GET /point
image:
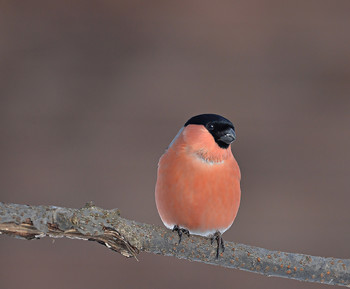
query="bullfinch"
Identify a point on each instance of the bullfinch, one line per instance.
(198, 182)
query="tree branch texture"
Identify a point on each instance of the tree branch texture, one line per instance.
(129, 238)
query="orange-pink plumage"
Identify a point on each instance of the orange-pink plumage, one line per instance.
(198, 183)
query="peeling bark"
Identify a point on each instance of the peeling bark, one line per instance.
(129, 238)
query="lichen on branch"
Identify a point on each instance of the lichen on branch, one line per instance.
(129, 238)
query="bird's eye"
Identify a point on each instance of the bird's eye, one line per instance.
(211, 126)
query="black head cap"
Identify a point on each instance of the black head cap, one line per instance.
(220, 128)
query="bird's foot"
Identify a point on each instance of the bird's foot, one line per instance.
(220, 243)
(181, 231)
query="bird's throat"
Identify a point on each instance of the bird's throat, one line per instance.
(209, 158)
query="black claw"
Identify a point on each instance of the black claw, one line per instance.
(181, 231)
(220, 243)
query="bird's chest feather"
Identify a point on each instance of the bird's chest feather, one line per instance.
(194, 173)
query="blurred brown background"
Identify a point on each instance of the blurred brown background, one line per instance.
(91, 93)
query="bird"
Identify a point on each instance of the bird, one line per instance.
(198, 180)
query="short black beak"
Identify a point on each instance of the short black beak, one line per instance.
(228, 137)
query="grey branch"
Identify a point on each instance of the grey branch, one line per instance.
(129, 238)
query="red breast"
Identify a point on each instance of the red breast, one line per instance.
(198, 183)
